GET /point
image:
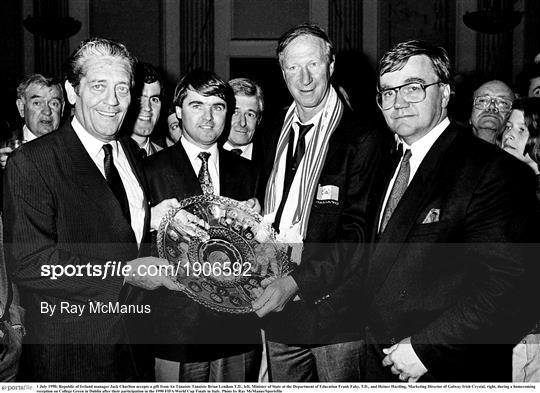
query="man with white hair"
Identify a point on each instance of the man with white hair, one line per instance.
(40, 102)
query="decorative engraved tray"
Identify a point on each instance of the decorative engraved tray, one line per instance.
(222, 267)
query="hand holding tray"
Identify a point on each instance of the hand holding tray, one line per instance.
(221, 267)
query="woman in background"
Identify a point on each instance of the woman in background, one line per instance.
(521, 138)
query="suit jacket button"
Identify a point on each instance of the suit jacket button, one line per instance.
(403, 293)
(393, 341)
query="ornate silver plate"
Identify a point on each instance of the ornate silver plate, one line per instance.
(222, 267)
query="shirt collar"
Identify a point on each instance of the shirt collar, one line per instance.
(91, 144)
(314, 120)
(28, 135)
(420, 148)
(228, 146)
(146, 146)
(193, 150)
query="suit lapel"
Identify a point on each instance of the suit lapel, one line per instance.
(424, 183)
(87, 176)
(188, 184)
(237, 176)
(224, 168)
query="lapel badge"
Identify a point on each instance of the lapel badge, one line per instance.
(328, 193)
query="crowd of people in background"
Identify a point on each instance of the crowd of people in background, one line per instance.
(417, 230)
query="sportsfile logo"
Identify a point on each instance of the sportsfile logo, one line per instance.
(118, 269)
(109, 269)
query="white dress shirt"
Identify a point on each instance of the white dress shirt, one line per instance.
(27, 134)
(418, 149)
(94, 148)
(193, 151)
(149, 146)
(292, 199)
(247, 150)
(309, 136)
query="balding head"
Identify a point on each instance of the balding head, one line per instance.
(491, 104)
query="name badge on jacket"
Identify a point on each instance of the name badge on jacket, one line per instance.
(327, 194)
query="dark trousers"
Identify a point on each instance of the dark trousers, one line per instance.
(243, 367)
(327, 363)
(77, 363)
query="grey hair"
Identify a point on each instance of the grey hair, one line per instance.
(96, 47)
(249, 88)
(40, 80)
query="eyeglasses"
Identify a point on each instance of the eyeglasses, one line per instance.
(411, 92)
(484, 102)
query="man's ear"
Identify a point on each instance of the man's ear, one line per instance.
(446, 95)
(331, 67)
(178, 111)
(20, 106)
(71, 94)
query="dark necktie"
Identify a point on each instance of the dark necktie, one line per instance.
(237, 151)
(204, 174)
(143, 153)
(398, 189)
(115, 182)
(300, 145)
(293, 162)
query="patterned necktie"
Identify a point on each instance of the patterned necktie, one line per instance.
(115, 182)
(237, 151)
(204, 175)
(398, 189)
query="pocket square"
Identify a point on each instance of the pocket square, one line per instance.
(432, 216)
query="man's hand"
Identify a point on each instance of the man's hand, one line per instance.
(275, 296)
(160, 210)
(4, 155)
(190, 225)
(404, 361)
(140, 277)
(11, 352)
(253, 204)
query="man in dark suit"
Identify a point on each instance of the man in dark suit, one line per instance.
(73, 201)
(246, 118)
(40, 102)
(142, 119)
(445, 287)
(210, 343)
(316, 197)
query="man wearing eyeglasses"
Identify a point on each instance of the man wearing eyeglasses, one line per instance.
(441, 276)
(491, 104)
